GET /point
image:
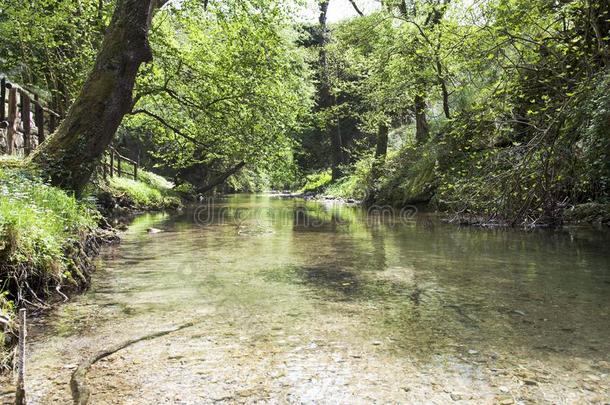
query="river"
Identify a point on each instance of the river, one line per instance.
(308, 302)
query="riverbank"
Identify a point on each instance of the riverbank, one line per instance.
(48, 239)
(394, 190)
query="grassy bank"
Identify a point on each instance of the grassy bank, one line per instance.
(422, 175)
(118, 196)
(48, 238)
(45, 243)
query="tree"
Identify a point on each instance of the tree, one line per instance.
(325, 96)
(228, 85)
(69, 157)
(49, 46)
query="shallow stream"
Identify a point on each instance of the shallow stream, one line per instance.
(306, 302)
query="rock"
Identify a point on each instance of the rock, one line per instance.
(473, 351)
(530, 382)
(503, 389)
(506, 401)
(154, 230)
(518, 312)
(376, 343)
(456, 396)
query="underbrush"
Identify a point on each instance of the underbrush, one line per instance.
(356, 184)
(316, 182)
(407, 177)
(44, 239)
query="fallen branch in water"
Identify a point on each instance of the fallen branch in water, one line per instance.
(80, 391)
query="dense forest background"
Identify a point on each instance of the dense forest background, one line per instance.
(497, 110)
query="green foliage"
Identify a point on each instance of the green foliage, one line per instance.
(51, 45)
(228, 84)
(39, 227)
(356, 184)
(150, 191)
(316, 181)
(525, 86)
(409, 176)
(589, 213)
(594, 179)
(37, 222)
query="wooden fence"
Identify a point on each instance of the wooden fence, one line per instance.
(23, 118)
(112, 164)
(22, 135)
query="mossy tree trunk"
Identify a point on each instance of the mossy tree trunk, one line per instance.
(381, 147)
(70, 156)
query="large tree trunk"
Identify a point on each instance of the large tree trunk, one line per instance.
(70, 156)
(382, 141)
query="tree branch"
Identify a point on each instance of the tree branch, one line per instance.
(169, 126)
(221, 178)
(356, 8)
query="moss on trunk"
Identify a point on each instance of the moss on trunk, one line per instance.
(70, 155)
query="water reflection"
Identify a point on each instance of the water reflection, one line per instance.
(492, 287)
(273, 273)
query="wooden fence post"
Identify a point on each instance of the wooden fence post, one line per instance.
(2, 99)
(20, 393)
(26, 122)
(119, 169)
(135, 171)
(39, 118)
(12, 119)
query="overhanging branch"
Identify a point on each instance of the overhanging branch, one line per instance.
(169, 126)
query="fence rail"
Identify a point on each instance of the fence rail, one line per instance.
(22, 119)
(112, 164)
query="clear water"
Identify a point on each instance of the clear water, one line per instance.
(303, 302)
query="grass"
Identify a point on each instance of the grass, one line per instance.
(354, 184)
(44, 235)
(40, 226)
(350, 186)
(150, 191)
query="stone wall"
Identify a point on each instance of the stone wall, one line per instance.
(18, 138)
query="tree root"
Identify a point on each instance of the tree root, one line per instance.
(80, 391)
